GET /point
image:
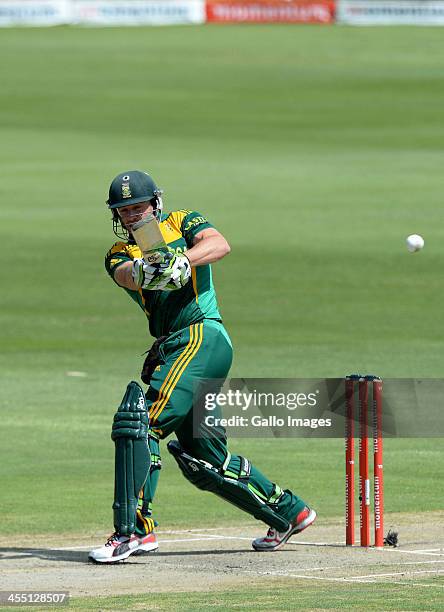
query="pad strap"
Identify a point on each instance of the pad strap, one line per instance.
(243, 475)
(276, 495)
(153, 443)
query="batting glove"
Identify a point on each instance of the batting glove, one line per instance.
(143, 272)
(175, 275)
(169, 272)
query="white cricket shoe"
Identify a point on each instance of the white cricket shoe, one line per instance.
(118, 548)
(275, 539)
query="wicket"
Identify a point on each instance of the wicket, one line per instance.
(364, 480)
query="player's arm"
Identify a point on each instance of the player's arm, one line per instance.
(119, 265)
(205, 246)
(208, 246)
(131, 274)
(124, 276)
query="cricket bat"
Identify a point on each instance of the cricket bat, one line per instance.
(148, 237)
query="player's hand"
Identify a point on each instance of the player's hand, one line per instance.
(143, 272)
(169, 272)
(175, 272)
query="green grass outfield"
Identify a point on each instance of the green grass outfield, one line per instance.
(314, 150)
(280, 596)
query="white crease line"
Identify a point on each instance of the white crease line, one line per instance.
(316, 543)
(435, 571)
(414, 552)
(418, 584)
(286, 575)
(353, 579)
(347, 567)
(320, 578)
(437, 552)
(430, 550)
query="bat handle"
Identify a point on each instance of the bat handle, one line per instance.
(156, 256)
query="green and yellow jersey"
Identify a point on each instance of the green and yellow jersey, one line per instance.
(169, 311)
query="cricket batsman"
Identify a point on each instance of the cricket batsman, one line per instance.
(175, 291)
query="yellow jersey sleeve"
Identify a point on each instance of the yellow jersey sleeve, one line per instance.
(188, 223)
(118, 254)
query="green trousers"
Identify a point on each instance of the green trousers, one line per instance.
(202, 350)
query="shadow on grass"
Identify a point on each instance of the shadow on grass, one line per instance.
(75, 556)
(81, 556)
(190, 553)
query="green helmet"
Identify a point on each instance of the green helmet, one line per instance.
(132, 187)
